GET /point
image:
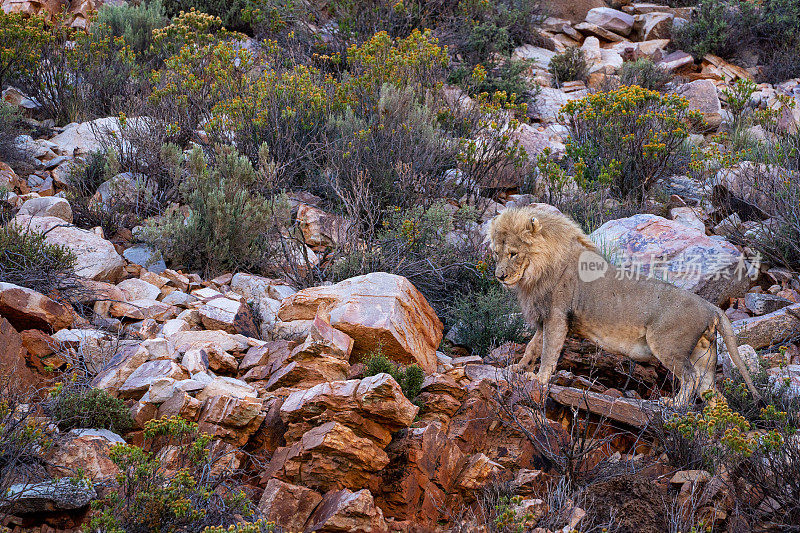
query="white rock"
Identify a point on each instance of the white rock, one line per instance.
(96, 258)
(47, 206)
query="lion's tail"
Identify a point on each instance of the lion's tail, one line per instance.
(726, 329)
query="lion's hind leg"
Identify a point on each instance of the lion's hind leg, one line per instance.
(693, 365)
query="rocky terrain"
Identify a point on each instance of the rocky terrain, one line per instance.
(356, 403)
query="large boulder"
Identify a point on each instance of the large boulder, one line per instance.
(323, 357)
(12, 359)
(320, 229)
(226, 314)
(681, 255)
(81, 138)
(95, 257)
(373, 407)
(288, 505)
(65, 494)
(574, 11)
(703, 97)
(423, 470)
(124, 363)
(85, 450)
(343, 511)
(377, 310)
(769, 329)
(232, 419)
(611, 20)
(28, 309)
(657, 26)
(141, 378)
(329, 457)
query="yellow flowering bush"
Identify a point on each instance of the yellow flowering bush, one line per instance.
(75, 75)
(21, 36)
(153, 493)
(632, 135)
(416, 61)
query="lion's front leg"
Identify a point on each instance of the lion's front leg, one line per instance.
(554, 334)
(532, 353)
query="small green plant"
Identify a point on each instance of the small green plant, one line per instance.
(259, 526)
(230, 13)
(11, 126)
(485, 320)
(21, 37)
(769, 29)
(644, 73)
(73, 406)
(508, 518)
(718, 27)
(26, 437)
(738, 98)
(409, 377)
(569, 65)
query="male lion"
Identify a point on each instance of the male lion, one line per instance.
(538, 253)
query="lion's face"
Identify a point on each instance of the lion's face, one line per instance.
(512, 252)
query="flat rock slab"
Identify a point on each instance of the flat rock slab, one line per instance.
(626, 410)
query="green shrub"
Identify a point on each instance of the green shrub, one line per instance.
(28, 260)
(401, 149)
(229, 228)
(628, 138)
(510, 77)
(718, 27)
(74, 407)
(769, 29)
(409, 377)
(11, 126)
(177, 491)
(82, 75)
(133, 23)
(26, 436)
(569, 66)
(276, 17)
(644, 73)
(486, 319)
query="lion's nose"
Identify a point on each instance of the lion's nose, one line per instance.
(500, 275)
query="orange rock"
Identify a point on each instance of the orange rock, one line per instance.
(288, 505)
(12, 359)
(28, 309)
(86, 450)
(376, 310)
(343, 511)
(329, 457)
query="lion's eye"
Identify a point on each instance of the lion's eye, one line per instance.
(512, 255)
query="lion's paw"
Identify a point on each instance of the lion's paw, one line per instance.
(517, 367)
(530, 375)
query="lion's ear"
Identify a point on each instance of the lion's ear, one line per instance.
(534, 225)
